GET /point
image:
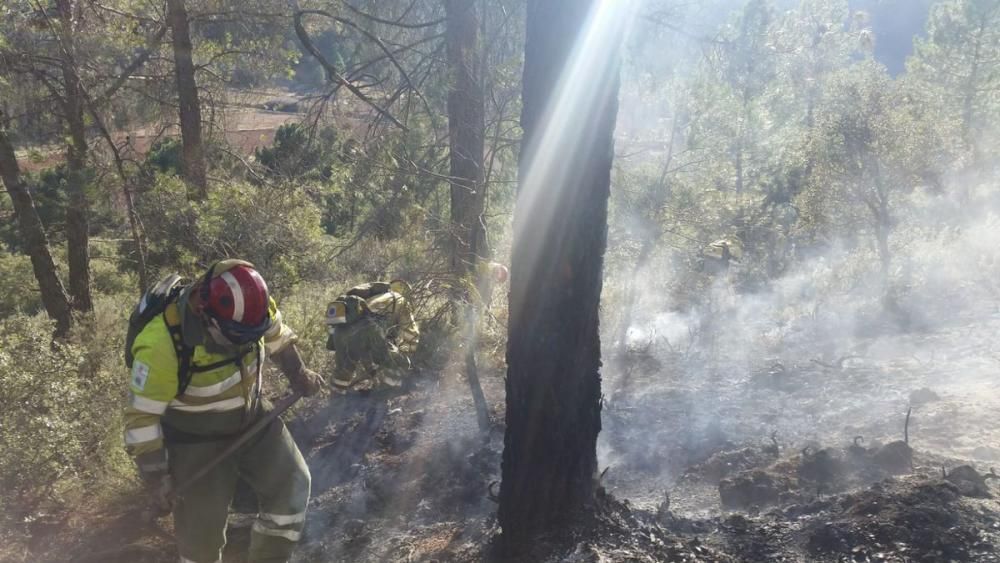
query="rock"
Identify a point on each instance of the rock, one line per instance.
(923, 396)
(969, 482)
(895, 458)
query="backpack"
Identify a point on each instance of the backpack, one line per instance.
(369, 290)
(162, 300)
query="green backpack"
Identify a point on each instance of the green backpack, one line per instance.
(162, 300)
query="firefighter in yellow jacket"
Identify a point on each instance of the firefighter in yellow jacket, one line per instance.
(373, 333)
(195, 385)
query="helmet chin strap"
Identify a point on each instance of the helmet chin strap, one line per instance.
(217, 337)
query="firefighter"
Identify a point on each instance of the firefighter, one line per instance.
(373, 334)
(195, 385)
(719, 255)
(494, 272)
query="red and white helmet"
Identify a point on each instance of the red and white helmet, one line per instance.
(235, 299)
(499, 271)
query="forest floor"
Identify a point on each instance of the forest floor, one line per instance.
(795, 458)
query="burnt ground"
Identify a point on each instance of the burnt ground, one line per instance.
(800, 457)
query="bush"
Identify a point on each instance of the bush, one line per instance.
(278, 229)
(18, 288)
(165, 156)
(107, 277)
(297, 155)
(61, 422)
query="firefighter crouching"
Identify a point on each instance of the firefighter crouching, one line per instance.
(196, 353)
(373, 334)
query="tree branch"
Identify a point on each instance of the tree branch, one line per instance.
(152, 44)
(331, 71)
(375, 39)
(390, 22)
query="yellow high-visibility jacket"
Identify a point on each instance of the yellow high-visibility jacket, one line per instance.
(219, 400)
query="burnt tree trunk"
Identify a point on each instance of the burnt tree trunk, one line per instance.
(36, 244)
(466, 132)
(78, 210)
(192, 150)
(553, 386)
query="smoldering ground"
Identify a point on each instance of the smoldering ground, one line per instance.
(820, 356)
(400, 475)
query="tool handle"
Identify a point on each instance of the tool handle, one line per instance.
(280, 407)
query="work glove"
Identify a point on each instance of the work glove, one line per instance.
(302, 379)
(308, 382)
(160, 491)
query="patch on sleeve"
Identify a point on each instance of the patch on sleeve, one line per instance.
(140, 372)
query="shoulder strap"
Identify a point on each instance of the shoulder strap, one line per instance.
(172, 317)
(185, 353)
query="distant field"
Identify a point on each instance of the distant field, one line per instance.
(244, 125)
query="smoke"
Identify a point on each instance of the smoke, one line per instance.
(819, 355)
(828, 349)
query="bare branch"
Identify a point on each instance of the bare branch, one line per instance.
(151, 45)
(396, 23)
(375, 39)
(331, 71)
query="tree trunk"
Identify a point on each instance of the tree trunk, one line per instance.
(133, 217)
(466, 132)
(54, 297)
(553, 386)
(192, 151)
(466, 124)
(78, 210)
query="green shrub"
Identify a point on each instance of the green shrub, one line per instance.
(61, 423)
(165, 156)
(276, 229)
(170, 223)
(297, 154)
(18, 288)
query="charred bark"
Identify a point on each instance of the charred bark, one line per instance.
(36, 244)
(553, 386)
(192, 150)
